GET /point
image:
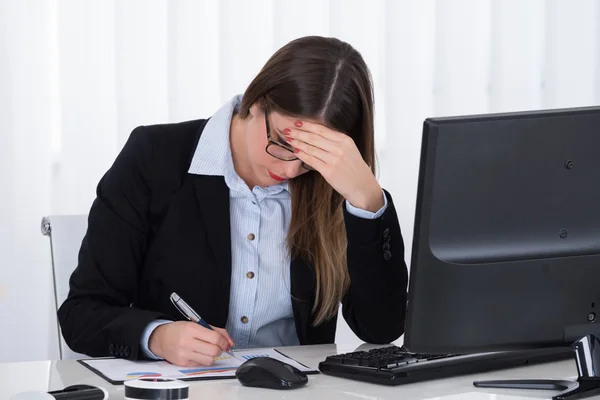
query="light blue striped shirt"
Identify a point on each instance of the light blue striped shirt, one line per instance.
(260, 307)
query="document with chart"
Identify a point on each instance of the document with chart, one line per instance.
(116, 370)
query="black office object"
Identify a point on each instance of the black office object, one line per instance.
(153, 388)
(80, 392)
(506, 247)
(506, 250)
(393, 365)
(73, 392)
(270, 373)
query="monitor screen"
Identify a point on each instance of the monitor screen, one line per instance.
(506, 248)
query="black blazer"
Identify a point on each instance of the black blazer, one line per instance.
(154, 229)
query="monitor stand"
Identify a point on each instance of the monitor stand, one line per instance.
(587, 355)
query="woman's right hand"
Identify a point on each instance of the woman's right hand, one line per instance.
(188, 344)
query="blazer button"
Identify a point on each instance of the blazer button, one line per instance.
(251, 236)
(250, 275)
(387, 255)
(386, 247)
(127, 351)
(386, 232)
(244, 319)
(111, 349)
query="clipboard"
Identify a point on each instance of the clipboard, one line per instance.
(116, 370)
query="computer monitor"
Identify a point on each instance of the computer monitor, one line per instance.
(506, 247)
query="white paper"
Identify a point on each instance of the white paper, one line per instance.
(116, 369)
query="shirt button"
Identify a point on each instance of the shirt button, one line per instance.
(250, 275)
(251, 236)
(244, 319)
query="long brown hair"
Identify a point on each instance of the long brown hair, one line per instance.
(326, 79)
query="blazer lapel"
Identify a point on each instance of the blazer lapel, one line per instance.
(213, 199)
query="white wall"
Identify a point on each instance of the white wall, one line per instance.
(76, 76)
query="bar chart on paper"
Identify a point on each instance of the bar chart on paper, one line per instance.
(119, 370)
(224, 363)
(251, 356)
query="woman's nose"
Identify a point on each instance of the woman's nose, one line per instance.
(294, 168)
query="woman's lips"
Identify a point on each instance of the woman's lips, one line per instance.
(276, 177)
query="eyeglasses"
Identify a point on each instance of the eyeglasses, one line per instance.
(279, 148)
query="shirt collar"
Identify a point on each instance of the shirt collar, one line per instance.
(213, 153)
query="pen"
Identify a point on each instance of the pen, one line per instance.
(190, 314)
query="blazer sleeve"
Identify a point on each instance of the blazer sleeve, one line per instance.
(375, 305)
(97, 318)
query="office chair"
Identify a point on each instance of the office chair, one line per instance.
(66, 233)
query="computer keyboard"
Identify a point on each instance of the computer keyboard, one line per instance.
(395, 365)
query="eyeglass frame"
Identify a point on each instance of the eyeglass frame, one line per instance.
(270, 142)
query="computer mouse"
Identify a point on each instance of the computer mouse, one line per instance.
(74, 392)
(270, 373)
(87, 392)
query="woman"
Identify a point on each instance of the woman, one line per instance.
(263, 218)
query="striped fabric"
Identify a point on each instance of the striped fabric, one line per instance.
(260, 310)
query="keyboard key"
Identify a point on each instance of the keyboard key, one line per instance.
(350, 361)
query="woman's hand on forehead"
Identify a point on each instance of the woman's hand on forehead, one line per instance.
(335, 156)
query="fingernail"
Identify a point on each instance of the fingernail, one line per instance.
(287, 131)
(296, 150)
(298, 123)
(289, 139)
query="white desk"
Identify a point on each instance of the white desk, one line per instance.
(52, 375)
